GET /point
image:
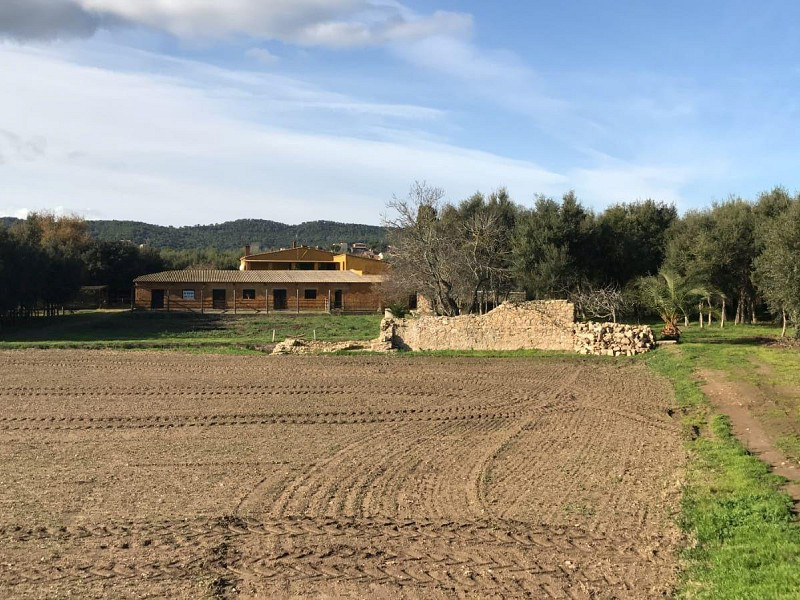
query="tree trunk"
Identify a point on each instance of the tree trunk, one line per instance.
(700, 311)
(783, 331)
(753, 318)
(739, 310)
(709, 313)
(722, 315)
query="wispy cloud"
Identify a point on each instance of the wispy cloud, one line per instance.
(262, 55)
(16, 147)
(329, 23)
(139, 146)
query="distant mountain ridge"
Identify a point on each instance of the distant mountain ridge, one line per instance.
(234, 234)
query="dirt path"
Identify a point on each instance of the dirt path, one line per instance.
(153, 474)
(740, 400)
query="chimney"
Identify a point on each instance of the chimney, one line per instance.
(294, 244)
(247, 250)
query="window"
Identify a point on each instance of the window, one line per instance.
(304, 266)
(310, 294)
(188, 295)
(248, 294)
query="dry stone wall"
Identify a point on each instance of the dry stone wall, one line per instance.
(544, 325)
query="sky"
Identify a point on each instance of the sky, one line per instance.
(180, 112)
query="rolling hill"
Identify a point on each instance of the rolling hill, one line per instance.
(234, 234)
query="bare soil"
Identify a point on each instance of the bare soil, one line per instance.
(156, 474)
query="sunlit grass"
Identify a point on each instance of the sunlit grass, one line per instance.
(745, 535)
(121, 329)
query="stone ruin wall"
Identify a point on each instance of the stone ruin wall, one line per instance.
(544, 325)
(540, 324)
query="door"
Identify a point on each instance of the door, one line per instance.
(157, 299)
(218, 299)
(337, 299)
(279, 300)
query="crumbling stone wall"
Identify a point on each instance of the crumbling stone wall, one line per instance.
(542, 324)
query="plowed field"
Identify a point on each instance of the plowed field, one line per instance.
(139, 474)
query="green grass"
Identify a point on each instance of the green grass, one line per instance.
(789, 444)
(123, 329)
(746, 538)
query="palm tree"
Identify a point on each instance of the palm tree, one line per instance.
(672, 296)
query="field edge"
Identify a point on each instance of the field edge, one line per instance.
(745, 539)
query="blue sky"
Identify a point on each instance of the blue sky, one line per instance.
(197, 111)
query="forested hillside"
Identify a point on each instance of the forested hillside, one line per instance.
(234, 234)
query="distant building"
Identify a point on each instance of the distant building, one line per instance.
(303, 258)
(297, 279)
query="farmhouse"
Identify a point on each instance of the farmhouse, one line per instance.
(298, 279)
(303, 258)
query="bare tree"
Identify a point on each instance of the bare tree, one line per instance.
(421, 249)
(449, 254)
(597, 302)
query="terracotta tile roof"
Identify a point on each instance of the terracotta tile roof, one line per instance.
(231, 276)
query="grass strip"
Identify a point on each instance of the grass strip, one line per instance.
(745, 536)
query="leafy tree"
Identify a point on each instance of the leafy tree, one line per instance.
(551, 246)
(777, 268)
(203, 258)
(117, 264)
(41, 263)
(632, 240)
(717, 246)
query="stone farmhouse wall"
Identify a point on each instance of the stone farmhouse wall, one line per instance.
(544, 325)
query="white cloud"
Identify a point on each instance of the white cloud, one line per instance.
(464, 60)
(170, 150)
(626, 182)
(262, 55)
(332, 23)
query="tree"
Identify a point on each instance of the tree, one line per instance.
(40, 264)
(117, 264)
(552, 246)
(671, 296)
(777, 268)
(632, 240)
(717, 246)
(597, 301)
(451, 254)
